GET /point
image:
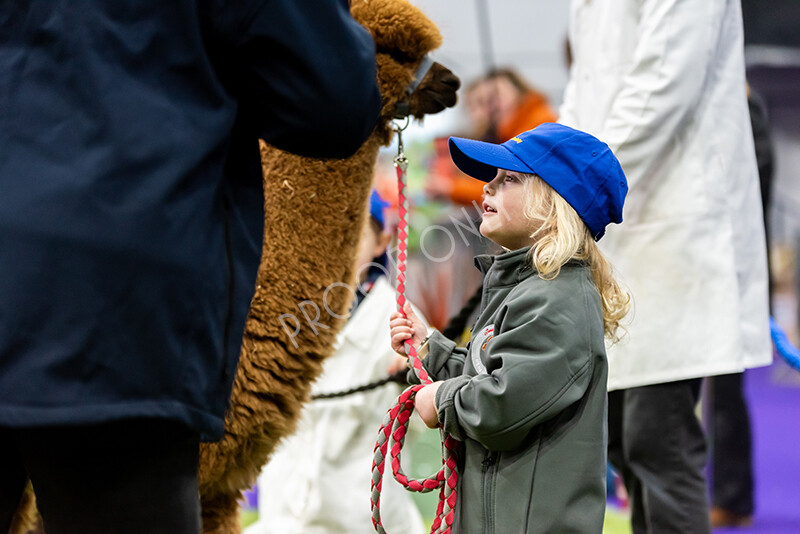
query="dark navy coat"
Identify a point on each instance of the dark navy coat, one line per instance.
(131, 205)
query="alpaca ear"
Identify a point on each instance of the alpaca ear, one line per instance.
(436, 92)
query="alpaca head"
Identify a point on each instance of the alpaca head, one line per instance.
(403, 36)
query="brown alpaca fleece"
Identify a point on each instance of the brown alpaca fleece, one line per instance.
(314, 213)
(315, 210)
(313, 218)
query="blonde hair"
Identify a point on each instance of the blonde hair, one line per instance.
(559, 236)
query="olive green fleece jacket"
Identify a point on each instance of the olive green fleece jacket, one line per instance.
(528, 399)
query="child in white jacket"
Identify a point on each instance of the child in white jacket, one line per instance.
(318, 481)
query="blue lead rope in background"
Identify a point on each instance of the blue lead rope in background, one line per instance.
(788, 352)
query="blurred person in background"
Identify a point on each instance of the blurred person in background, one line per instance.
(732, 466)
(318, 480)
(514, 105)
(663, 83)
(498, 105)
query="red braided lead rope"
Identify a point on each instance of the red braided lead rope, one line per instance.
(395, 425)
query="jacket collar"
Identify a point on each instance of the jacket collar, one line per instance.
(505, 269)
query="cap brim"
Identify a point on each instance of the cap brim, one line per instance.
(481, 160)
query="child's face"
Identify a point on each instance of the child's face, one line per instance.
(504, 221)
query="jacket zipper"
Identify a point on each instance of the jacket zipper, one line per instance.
(487, 466)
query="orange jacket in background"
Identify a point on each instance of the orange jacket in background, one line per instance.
(532, 111)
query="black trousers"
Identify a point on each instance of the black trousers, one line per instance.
(656, 443)
(128, 477)
(732, 463)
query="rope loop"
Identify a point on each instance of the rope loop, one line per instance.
(392, 433)
(395, 425)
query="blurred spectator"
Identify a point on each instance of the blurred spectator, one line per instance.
(732, 473)
(514, 105)
(499, 105)
(663, 83)
(318, 480)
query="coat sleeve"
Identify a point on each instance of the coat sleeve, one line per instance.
(664, 83)
(444, 359)
(539, 363)
(310, 81)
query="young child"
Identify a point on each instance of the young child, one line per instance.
(528, 395)
(318, 480)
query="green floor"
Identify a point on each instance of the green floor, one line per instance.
(423, 457)
(615, 522)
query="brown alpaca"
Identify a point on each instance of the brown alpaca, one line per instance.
(314, 212)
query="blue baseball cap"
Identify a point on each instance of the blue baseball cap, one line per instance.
(376, 207)
(580, 167)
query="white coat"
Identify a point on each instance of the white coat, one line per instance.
(318, 481)
(662, 82)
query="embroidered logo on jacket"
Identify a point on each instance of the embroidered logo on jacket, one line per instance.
(478, 347)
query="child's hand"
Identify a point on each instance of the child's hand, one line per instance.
(401, 329)
(425, 402)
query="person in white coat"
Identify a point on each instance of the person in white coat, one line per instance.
(662, 82)
(318, 480)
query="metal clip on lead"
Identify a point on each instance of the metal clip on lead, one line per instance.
(400, 160)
